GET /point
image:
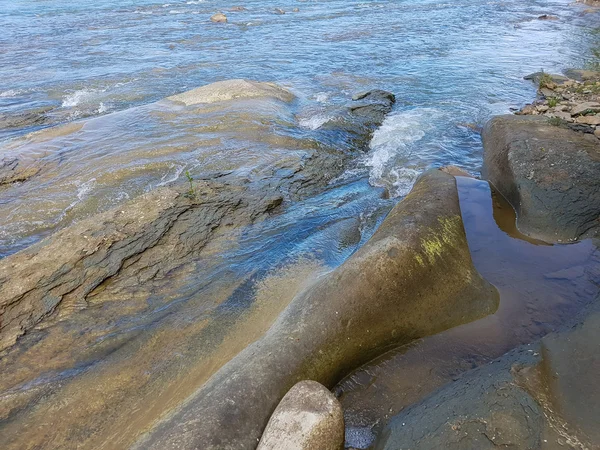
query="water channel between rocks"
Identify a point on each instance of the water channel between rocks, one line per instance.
(542, 289)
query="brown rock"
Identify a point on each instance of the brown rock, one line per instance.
(455, 171)
(585, 107)
(528, 110)
(232, 89)
(588, 120)
(561, 115)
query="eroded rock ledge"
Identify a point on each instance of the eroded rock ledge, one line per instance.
(413, 278)
(136, 242)
(125, 249)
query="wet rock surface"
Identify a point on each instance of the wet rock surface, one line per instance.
(231, 89)
(156, 233)
(36, 116)
(127, 248)
(308, 417)
(125, 313)
(541, 396)
(542, 287)
(548, 173)
(413, 278)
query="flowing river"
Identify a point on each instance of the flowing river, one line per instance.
(81, 89)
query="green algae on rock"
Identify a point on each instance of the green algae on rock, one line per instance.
(413, 278)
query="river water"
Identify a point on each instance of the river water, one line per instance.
(449, 63)
(98, 69)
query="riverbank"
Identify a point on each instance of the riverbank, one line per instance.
(171, 270)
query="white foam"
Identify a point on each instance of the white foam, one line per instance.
(314, 122)
(166, 179)
(322, 97)
(78, 97)
(393, 160)
(11, 93)
(102, 108)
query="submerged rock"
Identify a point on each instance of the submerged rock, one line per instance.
(110, 287)
(540, 396)
(232, 89)
(152, 234)
(13, 170)
(548, 173)
(36, 116)
(413, 278)
(219, 18)
(308, 417)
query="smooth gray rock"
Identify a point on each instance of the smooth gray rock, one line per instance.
(540, 396)
(308, 417)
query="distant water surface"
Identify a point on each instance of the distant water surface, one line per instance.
(450, 63)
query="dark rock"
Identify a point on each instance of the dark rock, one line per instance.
(537, 76)
(13, 170)
(543, 395)
(413, 278)
(547, 17)
(30, 118)
(548, 173)
(581, 128)
(358, 121)
(582, 75)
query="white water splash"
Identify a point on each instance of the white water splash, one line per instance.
(394, 161)
(314, 122)
(80, 96)
(11, 93)
(168, 178)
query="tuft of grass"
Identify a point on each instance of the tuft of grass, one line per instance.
(552, 102)
(556, 121)
(192, 191)
(545, 80)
